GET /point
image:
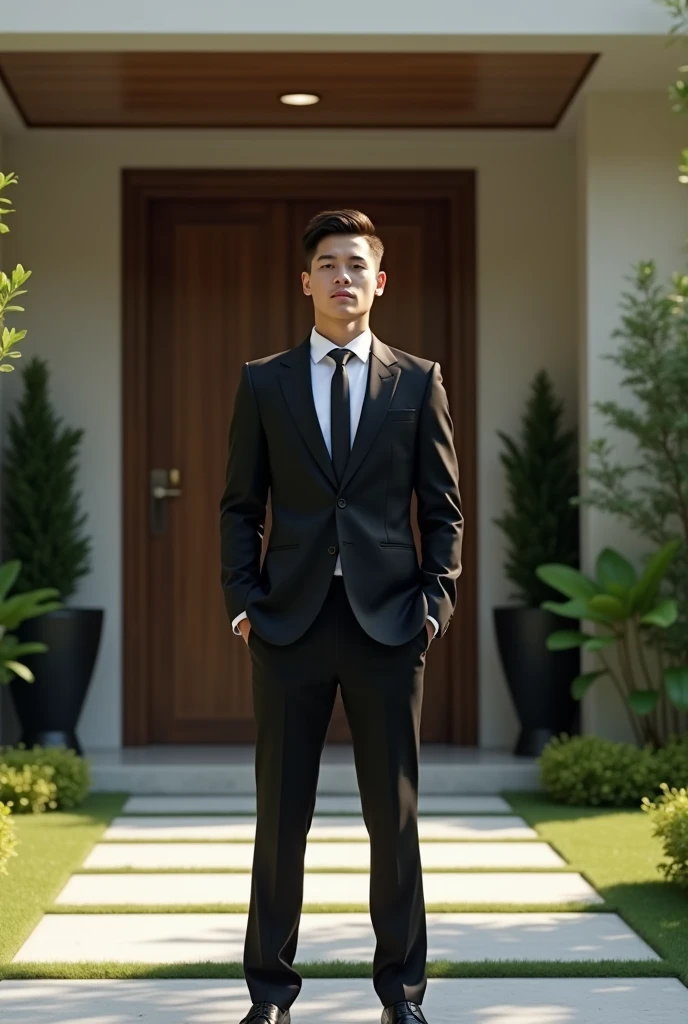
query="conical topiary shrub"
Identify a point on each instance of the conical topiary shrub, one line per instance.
(540, 522)
(41, 520)
(43, 530)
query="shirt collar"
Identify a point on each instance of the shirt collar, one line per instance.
(360, 346)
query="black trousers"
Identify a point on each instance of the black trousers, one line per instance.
(294, 689)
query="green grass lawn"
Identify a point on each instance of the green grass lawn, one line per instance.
(347, 969)
(50, 847)
(615, 851)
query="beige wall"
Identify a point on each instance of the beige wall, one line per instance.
(631, 208)
(68, 233)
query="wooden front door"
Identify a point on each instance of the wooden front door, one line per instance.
(212, 279)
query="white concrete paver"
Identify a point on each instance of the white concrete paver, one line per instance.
(186, 938)
(216, 832)
(325, 804)
(321, 887)
(448, 856)
(199, 828)
(350, 1001)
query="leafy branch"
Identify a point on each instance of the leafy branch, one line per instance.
(650, 493)
(10, 287)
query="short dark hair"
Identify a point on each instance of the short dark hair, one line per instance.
(339, 222)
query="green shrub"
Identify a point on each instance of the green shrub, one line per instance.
(71, 773)
(670, 817)
(29, 789)
(590, 771)
(8, 840)
(671, 763)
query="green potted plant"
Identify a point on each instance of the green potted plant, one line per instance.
(15, 610)
(540, 525)
(43, 529)
(625, 608)
(649, 493)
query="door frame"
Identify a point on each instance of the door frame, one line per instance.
(141, 188)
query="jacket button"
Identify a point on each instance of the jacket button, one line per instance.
(332, 550)
(342, 502)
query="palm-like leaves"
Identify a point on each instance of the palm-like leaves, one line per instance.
(13, 611)
(626, 606)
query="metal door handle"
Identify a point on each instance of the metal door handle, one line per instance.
(159, 479)
(166, 492)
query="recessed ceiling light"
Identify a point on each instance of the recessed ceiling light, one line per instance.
(299, 99)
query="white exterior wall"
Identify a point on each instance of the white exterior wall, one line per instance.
(463, 17)
(631, 208)
(69, 235)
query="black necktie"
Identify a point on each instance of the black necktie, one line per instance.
(340, 413)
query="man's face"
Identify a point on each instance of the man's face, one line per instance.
(344, 278)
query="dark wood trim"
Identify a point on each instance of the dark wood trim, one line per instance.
(207, 90)
(95, 126)
(464, 665)
(575, 87)
(12, 93)
(140, 188)
(134, 465)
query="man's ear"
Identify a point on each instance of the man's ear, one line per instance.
(381, 282)
(306, 282)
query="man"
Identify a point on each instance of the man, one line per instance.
(341, 429)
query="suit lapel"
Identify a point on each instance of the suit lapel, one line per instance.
(383, 376)
(295, 381)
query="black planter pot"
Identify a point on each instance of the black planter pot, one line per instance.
(539, 680)
(49, 708)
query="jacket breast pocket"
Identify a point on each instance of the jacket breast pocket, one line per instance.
(400, 416)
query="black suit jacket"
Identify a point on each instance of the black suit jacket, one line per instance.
(404, 442)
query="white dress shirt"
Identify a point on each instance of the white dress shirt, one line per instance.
(322, 370)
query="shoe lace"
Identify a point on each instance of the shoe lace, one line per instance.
(261, 1009)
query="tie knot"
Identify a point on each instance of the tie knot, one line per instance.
(341, 356)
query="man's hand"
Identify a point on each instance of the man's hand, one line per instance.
(245, 628)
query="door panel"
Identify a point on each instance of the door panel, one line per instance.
(212, 279)
(208, 316)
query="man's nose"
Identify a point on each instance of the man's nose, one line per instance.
(343, 277)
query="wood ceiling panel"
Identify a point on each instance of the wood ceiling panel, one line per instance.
(358, 90)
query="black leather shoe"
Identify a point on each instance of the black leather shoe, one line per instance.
(266, 1013)
(403, 1013)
